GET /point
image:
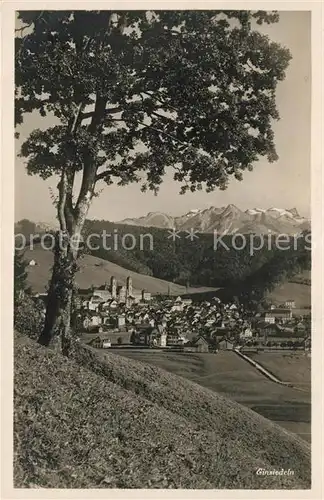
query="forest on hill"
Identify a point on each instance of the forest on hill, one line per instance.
(204, 262)
(248, 273)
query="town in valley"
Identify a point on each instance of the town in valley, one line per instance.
(116, 315)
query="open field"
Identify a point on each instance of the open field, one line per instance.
(229, 375)
(288, 367)
(118, 423)
(299, 292)
(95, 271)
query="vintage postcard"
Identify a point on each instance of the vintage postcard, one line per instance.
(162, 255)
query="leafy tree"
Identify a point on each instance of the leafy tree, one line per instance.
(25, 227)
(134, 93)
(20, 277)
(184, 277)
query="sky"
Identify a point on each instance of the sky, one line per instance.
(283, 184)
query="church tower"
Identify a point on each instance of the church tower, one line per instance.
(129, 287)
(113, 287)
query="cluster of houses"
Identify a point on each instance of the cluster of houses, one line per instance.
(120, 314)
(281, 322)
(136, 318)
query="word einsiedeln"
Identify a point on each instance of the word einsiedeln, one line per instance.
(128, 241)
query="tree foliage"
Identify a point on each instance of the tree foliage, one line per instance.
(136, 92)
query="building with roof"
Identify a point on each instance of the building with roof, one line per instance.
(226, 345)
(105, 295)
(272, 315)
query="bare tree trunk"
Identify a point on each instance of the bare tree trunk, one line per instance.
(57, 328)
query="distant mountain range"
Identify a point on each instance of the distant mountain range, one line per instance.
(228, 220)
(223, 220)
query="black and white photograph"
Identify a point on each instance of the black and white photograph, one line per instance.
(162, 261)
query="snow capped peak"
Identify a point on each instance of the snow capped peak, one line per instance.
(274, 212)
(227, 218)
(192, 212)
(280, 210)
(252, 211)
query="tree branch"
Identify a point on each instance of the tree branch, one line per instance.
(160, 100)
(102, 175)
(162, 116)
(62, 199)
(89, 167)
(68, 208)
(20, 30)
(186, 144)
(23, 28)
(66, 213)
(84, 116)
(166, 134)
(77, 119)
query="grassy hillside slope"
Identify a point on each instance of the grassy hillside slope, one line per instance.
(297, 288)
(299, 292)
(124, 424)
(95, 271)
